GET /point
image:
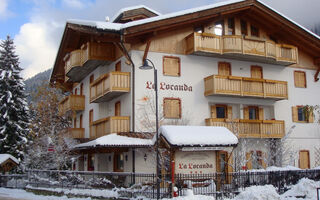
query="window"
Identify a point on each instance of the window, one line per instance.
(244, 27)
(231, 29)
(118, 162)
(253, 112)
(218, 28)
(172, 108)
(256, 72)
(171, 66)
(91, 78)
(117, 109)
(221, 111)
(300, 79)
(300, 114)
(90, 162)
(254, 31)
(118, 67)
(224, 69)
(255, 160)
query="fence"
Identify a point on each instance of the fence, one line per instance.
(130, 185)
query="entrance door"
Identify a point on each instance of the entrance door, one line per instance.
(304, 160)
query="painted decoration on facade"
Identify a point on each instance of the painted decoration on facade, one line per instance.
(174, 87)
(195, 162)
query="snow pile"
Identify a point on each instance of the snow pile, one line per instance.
(305, 188)
(4, 157)
(265, 192)
(287, 168)
(198, 135)
(190, 196)
(116, 140)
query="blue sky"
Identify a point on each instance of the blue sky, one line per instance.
(37, 25)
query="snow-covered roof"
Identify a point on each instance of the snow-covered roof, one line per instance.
(5, 157)
(198, 135)
(117, 26)
(122, 10)
(115, 140)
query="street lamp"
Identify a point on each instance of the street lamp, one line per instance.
(146, 66)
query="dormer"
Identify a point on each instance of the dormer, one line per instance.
(135, 13)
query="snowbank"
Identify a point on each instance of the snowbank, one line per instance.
(189, 196)
(304, 188)
(265, 192)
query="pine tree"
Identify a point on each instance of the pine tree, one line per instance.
(14, 122)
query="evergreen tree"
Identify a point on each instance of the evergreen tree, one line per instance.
(14, 122)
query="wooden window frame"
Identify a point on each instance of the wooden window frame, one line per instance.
(229, 65)
(245, 31)
(117, 66)
(91, 78)
(115, 108)
(179, 69)
(257, 112)
(257, 67)
(171, 98)
(225, 111)
(232, 28)
(305, 78)
(115, 162)
(254, 27)
(304, 150)
(296, 119)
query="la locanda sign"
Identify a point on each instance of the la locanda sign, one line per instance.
(166, 86)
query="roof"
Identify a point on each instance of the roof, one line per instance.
(198, 136)
(117, 140)
(132, 8)
(5, 157)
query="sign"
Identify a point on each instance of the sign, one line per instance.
(173, 87)
(195, 162)
(203, 148)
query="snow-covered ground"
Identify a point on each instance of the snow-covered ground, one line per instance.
(304, 189)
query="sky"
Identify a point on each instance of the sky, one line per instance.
(37, 25)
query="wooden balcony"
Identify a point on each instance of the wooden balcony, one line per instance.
(79, 63)
(245, 87)
(109, 86)
(251, 128)
(76, 133)
(243, 48)
(71, 103)
(105, 126)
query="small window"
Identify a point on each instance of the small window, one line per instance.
(254, 31)
(171, 66)
(244, 27)
(253, 112)
(218, 28)
(172, 108)
(301, 115)
(300, 79)
(221, 111)
(118, 162)
(231, 29)
(224, 69)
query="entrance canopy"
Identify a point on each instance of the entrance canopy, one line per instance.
(204, 136)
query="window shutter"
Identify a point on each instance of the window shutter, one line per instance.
(224, 69)
(249, 160)
(213, 112)
(172, 108)
(230, 168)
(261, 114)
(300, 79)
(294, 114)
(246, 112)
(229, 112)
(263, 162)
(311, 117)
(171, 66)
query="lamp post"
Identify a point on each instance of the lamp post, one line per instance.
(146, 66)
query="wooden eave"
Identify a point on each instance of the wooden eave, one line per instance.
(73, 37)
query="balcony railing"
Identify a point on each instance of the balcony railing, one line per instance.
(71, 103)
(105, 126)
(251, 128)
(247, 87)
(109, 86)
(241, 47)
(76, 133)
(79, 63)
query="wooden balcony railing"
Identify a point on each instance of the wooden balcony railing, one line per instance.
(76, 133)
(241, 47)
(251, 128)
(79, 63)
(247, 87)
(71, 103)
(105, 126)
(109, 86)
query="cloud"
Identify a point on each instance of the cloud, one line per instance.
(74, 4)
(4, 12)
